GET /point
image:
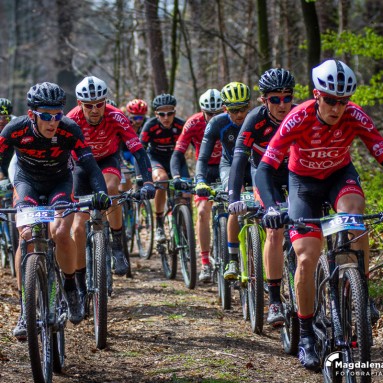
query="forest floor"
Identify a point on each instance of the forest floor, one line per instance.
(159, 331)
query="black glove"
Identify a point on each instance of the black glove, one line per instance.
(202, 190)
(180, 184)
(139, 182)
(275, 218)
(101, 201)
(148, 191)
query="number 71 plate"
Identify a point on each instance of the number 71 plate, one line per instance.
(342, 221)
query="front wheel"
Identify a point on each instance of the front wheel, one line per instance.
(224, 288)
(255, 272)
(144, 232)
(355, 326)
(186, 246)
(290, 329)
(39, 332)
(100, 293)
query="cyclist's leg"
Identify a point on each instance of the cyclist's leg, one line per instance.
(347, 196)
(160, 173)
(305, 200)
(66, 253)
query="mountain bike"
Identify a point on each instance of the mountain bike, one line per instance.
(342, 320)
(8, 232)
(138, 225)
(43, 294)
(219, 256)
(251, 277)
(180, 235)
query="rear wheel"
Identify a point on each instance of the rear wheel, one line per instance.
(255, 285)
(186, 248)
(100, 294)
(144, 229)
(39, 333)
(59, 334)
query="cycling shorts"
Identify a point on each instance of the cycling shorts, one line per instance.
(158, 162)
(27, 191)
(307, 194)
(224, 172)
(110, 165)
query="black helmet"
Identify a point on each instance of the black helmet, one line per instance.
(46, 94)
(5, 107)
(164, 100)
(276, 79)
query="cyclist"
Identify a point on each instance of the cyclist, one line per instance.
(159, 135)
(136, 112)
(276, 86)
(43, 140)
(211, 104)
(318, 134)
(225, 127)
(5, 116)
(104, 128)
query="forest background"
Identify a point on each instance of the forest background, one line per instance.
(141, 48)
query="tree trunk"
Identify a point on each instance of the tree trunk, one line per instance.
(156, 53)
(263, 36)
(313, 38)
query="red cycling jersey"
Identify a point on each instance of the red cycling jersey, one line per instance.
(104, 138)
(192, 133)
(317, 149)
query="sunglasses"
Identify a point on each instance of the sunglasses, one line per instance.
(137, 118)
(276, 100)
(212, 114)
(91, 106)
(167, 114)
(49, 117)
(333, 101)
(238, 110)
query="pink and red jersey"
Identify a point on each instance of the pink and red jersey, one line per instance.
(104, 138)
(317, 149)
(192, 133)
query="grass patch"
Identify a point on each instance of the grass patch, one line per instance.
(376, 288)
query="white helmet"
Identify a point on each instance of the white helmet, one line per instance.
(334, 77)
(91, 89)
(211, 101)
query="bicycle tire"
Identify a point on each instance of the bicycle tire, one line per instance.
(355, 323)
(186, 251)
(290, 330)
(256, 285)
(39, 332)
(243, 290)
(168, 251)
(59, 333)
(128, 211)
(223, 254)
(127, 252)
(322, 320)
(100, 294)
(144, 232)
(14, 236)
(3, 246)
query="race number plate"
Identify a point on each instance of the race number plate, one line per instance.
(248, 198)
(36, 214)
(342, 221)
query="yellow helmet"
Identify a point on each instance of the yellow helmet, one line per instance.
(235, 94)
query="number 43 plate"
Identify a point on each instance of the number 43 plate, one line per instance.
(342, 221)
(36, 214)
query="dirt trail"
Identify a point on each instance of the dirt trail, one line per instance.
(160, 332)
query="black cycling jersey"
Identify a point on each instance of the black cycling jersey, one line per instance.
(48, 159)
(256, 132)
(161, 141)
(219, 128)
